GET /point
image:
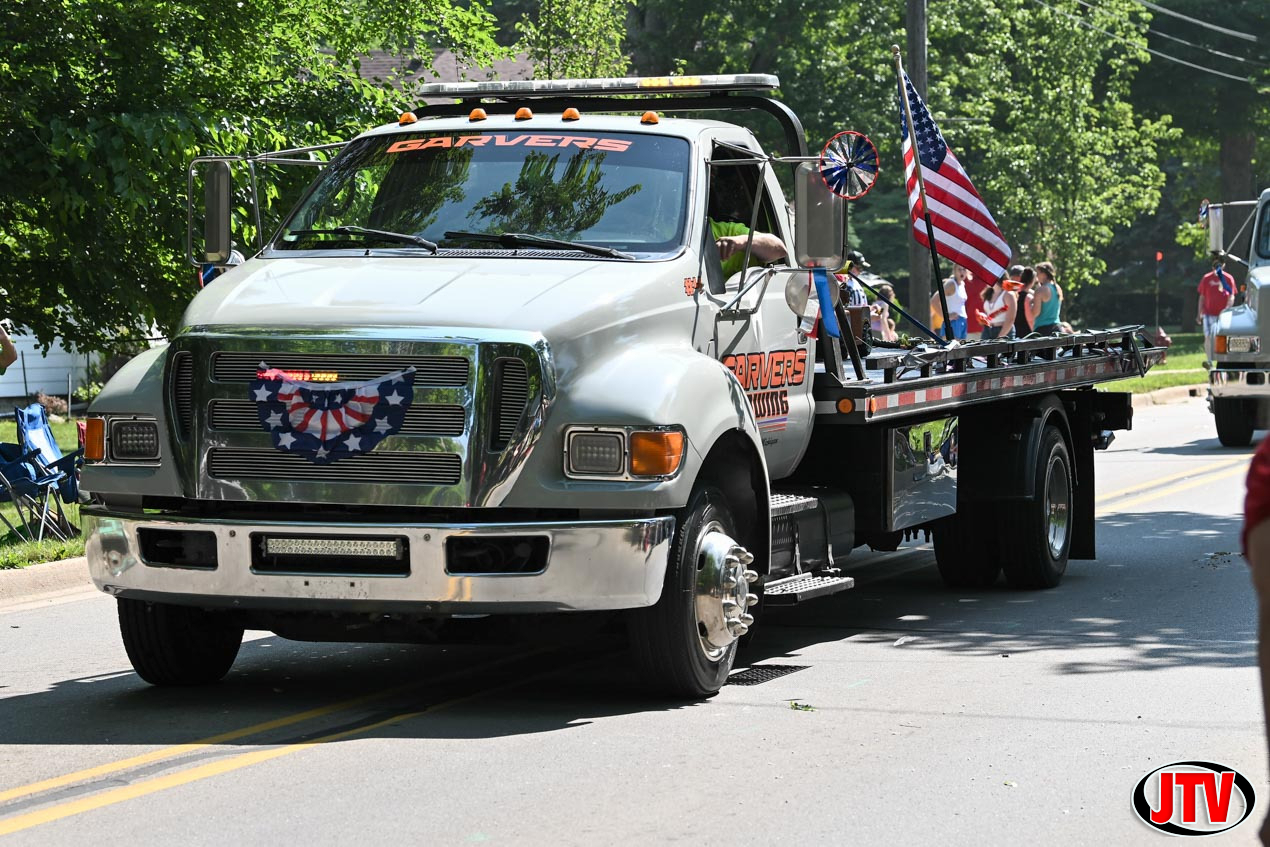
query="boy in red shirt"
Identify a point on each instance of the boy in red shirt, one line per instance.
(1216, 292)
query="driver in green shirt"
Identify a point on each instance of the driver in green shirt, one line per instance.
(730, 238)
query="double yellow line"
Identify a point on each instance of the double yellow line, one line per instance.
(132, 791)
(1148, 490)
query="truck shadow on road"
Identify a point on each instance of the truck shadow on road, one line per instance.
(1169, 589)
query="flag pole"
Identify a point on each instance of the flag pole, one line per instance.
(921, 193)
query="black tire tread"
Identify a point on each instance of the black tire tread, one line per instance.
(1234, 421)
(177, 645)
(656, 632)
(1025, 556)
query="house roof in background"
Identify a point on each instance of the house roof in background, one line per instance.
(407, 71)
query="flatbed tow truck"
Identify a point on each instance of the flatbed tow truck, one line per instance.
(490, 370)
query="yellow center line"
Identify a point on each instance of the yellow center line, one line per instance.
(1142, 486)
(1125, 505)
(233, 735)
(242, 760)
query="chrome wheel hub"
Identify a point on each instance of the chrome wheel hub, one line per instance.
(1057, 506)
(722, 594)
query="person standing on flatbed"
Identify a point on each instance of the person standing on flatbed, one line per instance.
(1046, 304)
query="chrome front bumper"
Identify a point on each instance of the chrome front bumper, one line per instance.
(1245, 382)
(591, 565)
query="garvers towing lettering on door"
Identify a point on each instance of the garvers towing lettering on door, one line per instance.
(766, 378)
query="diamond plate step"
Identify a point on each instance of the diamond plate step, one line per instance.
(792, 504)
(801, 587)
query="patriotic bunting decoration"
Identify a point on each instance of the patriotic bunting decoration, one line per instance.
(328, 422)
(965, 231)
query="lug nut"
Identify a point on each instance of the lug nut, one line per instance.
(746, 556)
(750, 600)
(738, 629)
(729, 583)
(730, 609)
(747, 620)
(751, 576)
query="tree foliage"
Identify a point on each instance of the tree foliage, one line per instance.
(575, 39)
(107, 101)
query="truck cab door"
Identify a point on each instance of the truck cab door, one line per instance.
(757, 338)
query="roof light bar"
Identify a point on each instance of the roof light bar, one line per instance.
(608, 86)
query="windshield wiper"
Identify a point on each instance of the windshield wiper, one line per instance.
(403, 237)
(522, 239)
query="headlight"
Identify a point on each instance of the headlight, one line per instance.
(626, 453)
(596, 453)
(134, 440)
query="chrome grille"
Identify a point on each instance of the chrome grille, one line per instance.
(394, 468)
(429, 370)
(183, 392)
(421, 418)
(511, 386)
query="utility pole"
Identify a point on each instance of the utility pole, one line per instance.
(919, 281)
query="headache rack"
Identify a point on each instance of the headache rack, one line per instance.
(666, 94)
(903, 383)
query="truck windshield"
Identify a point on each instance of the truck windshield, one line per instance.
(617, 190)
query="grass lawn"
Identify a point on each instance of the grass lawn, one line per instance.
(17, 554)
(1184, 366)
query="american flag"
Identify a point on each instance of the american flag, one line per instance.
(965, 231)
(328, 422)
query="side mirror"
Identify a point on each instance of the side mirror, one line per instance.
(820, 221)
(216, 203)
(1215, 229)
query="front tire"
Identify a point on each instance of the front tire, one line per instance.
(1034, 546)
(685, 644)
(1234, 421)
(177, 645)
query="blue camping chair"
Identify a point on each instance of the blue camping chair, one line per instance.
(33, 495)
(34, 434)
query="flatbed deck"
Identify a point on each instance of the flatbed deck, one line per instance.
(909, 383)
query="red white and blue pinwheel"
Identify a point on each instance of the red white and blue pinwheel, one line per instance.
(328, 422)
(849, 165)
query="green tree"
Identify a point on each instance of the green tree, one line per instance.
(107, 101)
(575, 39)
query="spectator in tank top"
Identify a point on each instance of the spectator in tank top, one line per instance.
(1000, 305)
(1047, 302)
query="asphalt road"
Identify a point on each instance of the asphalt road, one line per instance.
(924, 715)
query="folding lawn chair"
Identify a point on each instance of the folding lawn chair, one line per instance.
(35, 435)
(33, 494)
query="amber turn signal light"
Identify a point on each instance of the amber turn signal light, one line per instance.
(1220, 344)
(656, 453)
(94, 439)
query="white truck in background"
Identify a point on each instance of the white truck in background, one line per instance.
(1238, 389)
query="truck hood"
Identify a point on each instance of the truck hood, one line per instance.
(542, 295)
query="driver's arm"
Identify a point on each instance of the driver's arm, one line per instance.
(767, 247)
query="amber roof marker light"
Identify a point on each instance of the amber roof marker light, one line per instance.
(649, 117)
(407, 118)
(477, 115)
(524, 113)
(571, 114)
